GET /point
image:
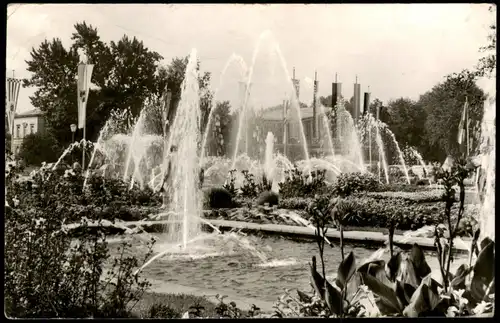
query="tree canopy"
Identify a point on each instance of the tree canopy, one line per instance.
(124, 76)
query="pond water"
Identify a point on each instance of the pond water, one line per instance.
(229, 264)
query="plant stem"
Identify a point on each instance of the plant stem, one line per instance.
(342, 241)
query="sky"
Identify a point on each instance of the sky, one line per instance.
(394, 50)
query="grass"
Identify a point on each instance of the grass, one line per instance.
(179, 303)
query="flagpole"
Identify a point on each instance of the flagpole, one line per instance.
(467, 127)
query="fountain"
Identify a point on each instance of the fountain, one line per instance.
(486, 185)
(411, 151)
(185, 135)
(367, 124)
(268, 159)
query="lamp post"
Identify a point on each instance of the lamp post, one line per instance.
(73, 130)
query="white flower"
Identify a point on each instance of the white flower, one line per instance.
(482, 307)
(452, 311)
(16, 202)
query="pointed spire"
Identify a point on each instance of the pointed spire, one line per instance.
(336, 78)
(315, 75)
(294, 72)
(356, 79)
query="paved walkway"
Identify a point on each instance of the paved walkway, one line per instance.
(243, 303)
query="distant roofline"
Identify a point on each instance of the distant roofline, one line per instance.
(30, 113)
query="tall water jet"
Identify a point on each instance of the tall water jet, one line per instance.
(131, 153)
(400, 155)
(232, 59)
(268, 159)
(185, 135)
(347, 136)
(486, 185)
(413, 152)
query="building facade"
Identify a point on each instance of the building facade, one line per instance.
(26, 123)
(273, 121)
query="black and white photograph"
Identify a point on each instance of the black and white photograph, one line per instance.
(230, 160)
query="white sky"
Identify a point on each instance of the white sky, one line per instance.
(399, 50)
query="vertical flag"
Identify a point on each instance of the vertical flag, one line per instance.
(315, 117)
(357, 102)
(462, 127)
(12, 95)
(296, 85)
(366, 103)
(336, 93)
(84, 77)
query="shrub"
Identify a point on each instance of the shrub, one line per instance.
(294, 203)
(423, 181)
(37, 148)
(249, 187)
(268, 197)
(230, 184)
(415, 197)
(349, 183)
(400, 187)
(217, 198)
(396, 174)
(299, 184)
(47, 274)
(162, 311)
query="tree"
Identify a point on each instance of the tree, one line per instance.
(221, 125)
(37, 148)
(124, 76)
(488, 63)
(444, 105)
(407, 120)
(171, 78)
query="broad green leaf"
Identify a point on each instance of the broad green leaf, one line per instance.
(423, 300)
(458, 281)
(346, 270)
(407, 274)
(417, 257)
(388, 300)
(393, 265)
(333, 298)
(484, 267)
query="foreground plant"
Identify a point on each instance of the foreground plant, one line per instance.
(49, 274)
(403, 285)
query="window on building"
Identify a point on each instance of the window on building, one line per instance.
(18, 131)
(25, 126)
(32, 128)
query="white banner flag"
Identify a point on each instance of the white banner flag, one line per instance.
(12, 95)
(462, 127)
(84, 77)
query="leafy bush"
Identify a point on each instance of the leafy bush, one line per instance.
(249, 187)
(218, 197)
(230, 184)
(299, 184)
(400, 187)
(37, 148)
(396, 174)
(294, 203)
(349, 183)
(403, 284)
(423, 181)
(49, 274)
(416, 197)
(268, 197)
(162, 311)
